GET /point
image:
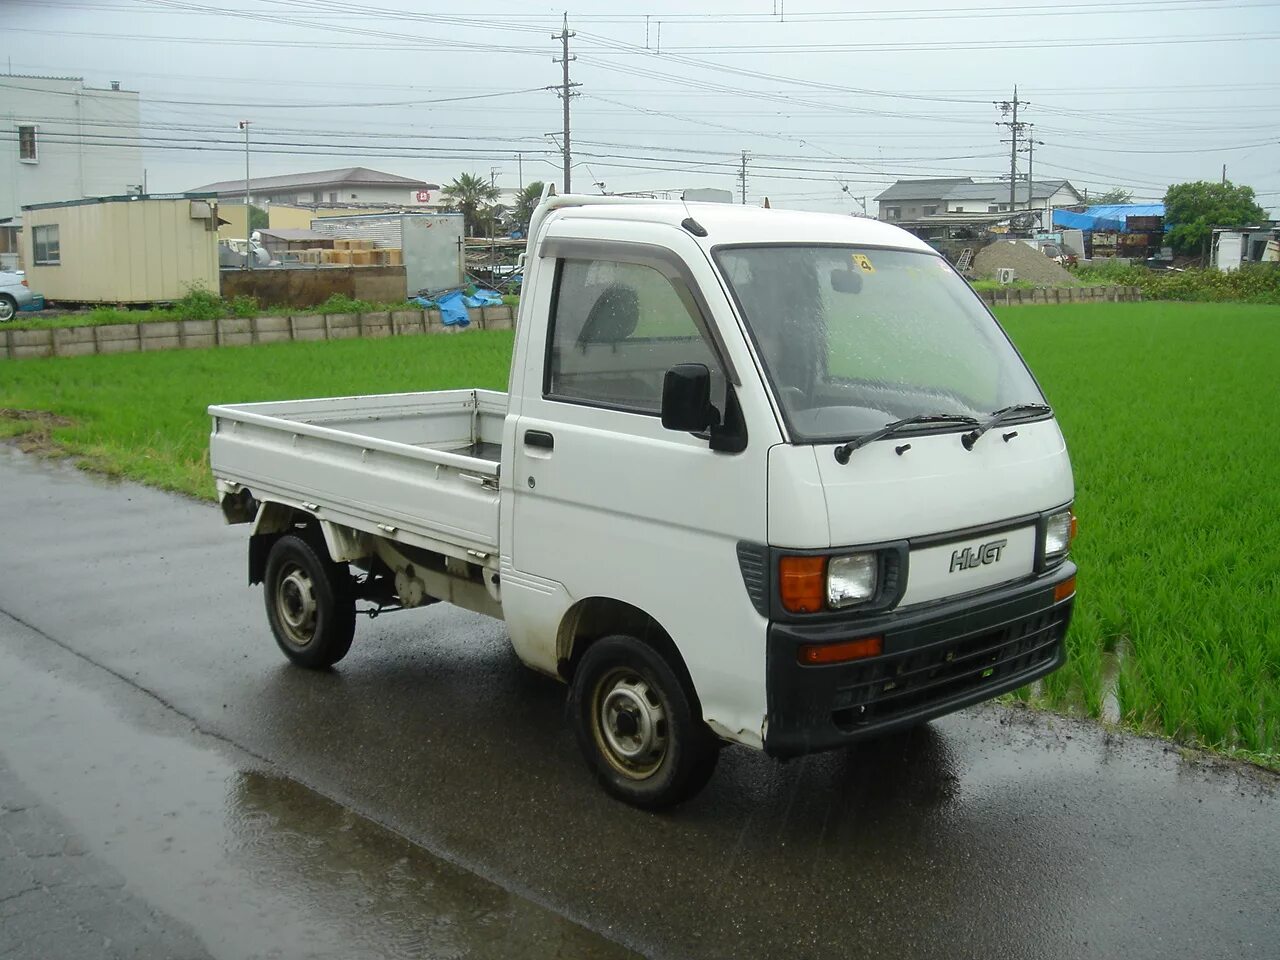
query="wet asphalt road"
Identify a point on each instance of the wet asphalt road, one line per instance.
(426, 798)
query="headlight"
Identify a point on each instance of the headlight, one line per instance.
(851, 579)
(1058, 530)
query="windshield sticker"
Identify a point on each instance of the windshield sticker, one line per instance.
(860, 260)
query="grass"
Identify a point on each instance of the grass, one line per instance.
(143, 415)
(1169, 410)
(1170, 414)
(988, 285)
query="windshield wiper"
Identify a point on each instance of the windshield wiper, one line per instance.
(999, 417)
(889, 429)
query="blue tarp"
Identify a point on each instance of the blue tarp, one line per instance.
(1110, 216)
(453, 305)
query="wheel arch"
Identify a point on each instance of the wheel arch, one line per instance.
(274, 519)
(592, 618)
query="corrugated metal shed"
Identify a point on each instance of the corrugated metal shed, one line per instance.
(122, 249)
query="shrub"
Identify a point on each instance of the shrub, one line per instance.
(199, 304)
(1252, 283)
(341, 303)
(244, 306)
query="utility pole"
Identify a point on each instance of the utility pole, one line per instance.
(1015, 128)
(1224, 174)
(566, 91)
(520, 168)
(742, 178)
(248, 207)
(1032, 143)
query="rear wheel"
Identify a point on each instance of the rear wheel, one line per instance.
(310, 604)
(638, 725)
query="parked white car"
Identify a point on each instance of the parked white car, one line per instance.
(14, 294)
(763, 477)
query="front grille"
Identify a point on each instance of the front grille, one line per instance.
(902, 683)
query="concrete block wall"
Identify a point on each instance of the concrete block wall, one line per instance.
(236, 332)
(1011, 296)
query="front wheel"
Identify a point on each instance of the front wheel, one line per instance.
(638, 725)
(310, 604)
(8, 307)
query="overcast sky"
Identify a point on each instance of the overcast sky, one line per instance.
(823, 95)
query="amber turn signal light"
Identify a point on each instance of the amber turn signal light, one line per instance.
(819, 653)
(1065, 589)
(802, 583)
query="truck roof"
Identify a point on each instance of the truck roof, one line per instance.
(730, 223)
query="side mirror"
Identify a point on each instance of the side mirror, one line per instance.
(686, 398)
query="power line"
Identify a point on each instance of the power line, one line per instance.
(264, 105)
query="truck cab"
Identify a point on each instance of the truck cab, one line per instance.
(764, 477)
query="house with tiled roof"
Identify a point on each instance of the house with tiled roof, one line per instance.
(912, 201)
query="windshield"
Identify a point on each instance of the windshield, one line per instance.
(853, 338)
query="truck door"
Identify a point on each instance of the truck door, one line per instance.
(608, 503)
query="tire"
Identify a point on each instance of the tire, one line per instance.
(310, 604)
(639, 725)
(8, 308)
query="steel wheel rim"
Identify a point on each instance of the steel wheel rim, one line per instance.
(296, 605)
(629, 721)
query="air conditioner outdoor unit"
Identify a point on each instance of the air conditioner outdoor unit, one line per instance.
(1006, 275)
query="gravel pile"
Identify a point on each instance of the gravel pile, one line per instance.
(1028, 263)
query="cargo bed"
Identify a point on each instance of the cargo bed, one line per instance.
(421, 468)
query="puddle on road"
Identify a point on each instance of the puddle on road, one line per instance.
(255, 864)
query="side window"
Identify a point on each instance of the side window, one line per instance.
(45, 241)
(616, 329)
(27, 149)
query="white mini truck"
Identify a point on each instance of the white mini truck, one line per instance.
(764, 477)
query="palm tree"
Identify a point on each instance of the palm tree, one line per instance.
(526, 200)
(468, 195)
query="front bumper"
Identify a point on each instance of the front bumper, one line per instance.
(938, 659)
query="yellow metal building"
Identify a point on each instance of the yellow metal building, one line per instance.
(121, 249)
(283, 216)
(234, 223)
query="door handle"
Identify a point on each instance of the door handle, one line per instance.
(540, 439)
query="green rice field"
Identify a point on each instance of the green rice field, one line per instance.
(1171, 411)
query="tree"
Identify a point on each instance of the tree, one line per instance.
(1114, 195)
(258, 219)
(526, 200)
(469, 194)
(1194, 209)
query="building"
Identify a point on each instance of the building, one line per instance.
(1235, 246)
(432, 244)
(914, 201)
(64, 141)
(130, 249)
(343, 186)
(299, 216)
